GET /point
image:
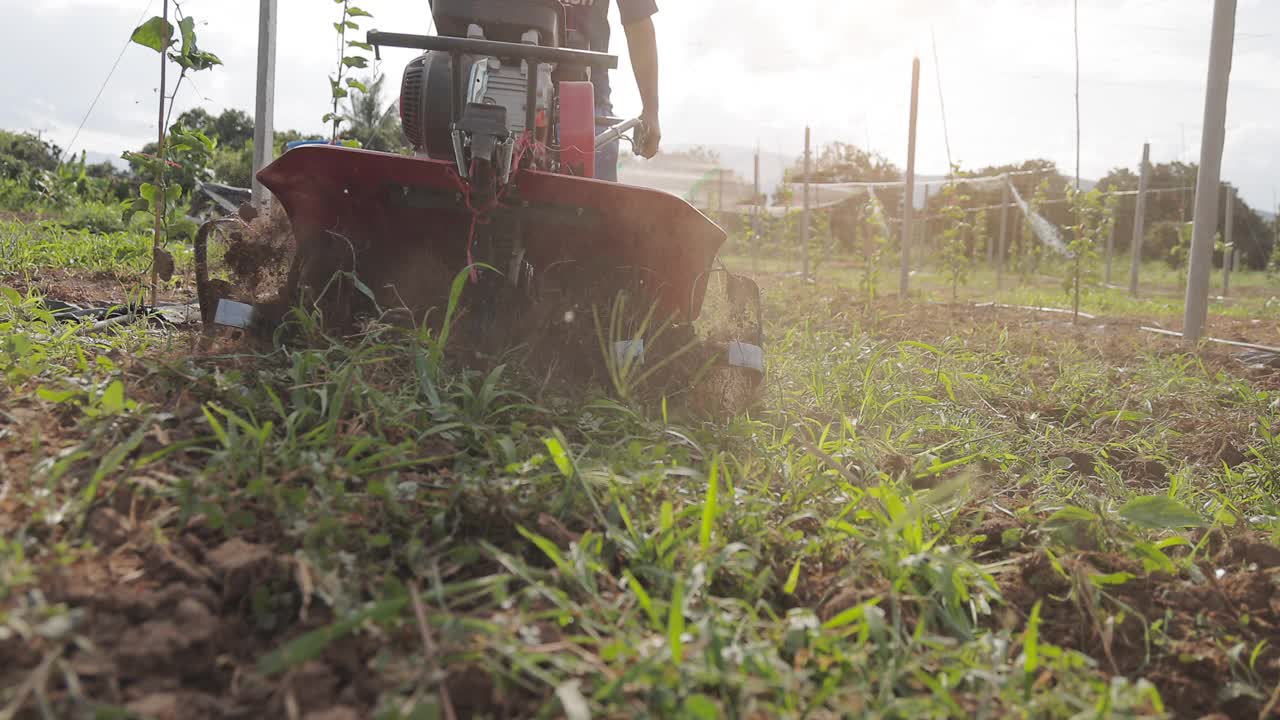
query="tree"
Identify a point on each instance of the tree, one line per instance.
(845, 162)
(368, 121)
(1175, 203)
(698, 154)
(234, 128)
(23, 152)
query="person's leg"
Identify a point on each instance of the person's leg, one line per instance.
(607, 156)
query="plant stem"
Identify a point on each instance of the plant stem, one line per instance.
(161, 194)
(342, 47)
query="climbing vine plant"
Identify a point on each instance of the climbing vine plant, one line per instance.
(180, 46)
(352, 55)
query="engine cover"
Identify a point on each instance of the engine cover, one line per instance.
(425, 107)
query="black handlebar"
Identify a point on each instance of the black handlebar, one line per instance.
(465, 46)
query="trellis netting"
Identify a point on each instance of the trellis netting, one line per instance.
(1045, 231)
(701, 184)
(711, 188)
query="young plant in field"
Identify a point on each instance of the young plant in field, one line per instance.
(1091, 225)
(875, 246)
(157, 198)
(349, 58)
(955, 246)
(982, 237)
(819, 239)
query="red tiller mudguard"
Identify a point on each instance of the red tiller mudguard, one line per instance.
(392, 208)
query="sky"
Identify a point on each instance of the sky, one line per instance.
(746, 73)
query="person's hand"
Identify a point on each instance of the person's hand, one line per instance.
(648, 142)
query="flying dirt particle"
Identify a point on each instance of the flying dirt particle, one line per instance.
(334, 713)
(164, 264)
(236, 555)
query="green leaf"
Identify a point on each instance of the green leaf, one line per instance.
(367, 47)
(1117, 578)
(675, 622)
(793, 579)
(113, 398)
(156, 33)
(848, 617)
(357, 85)
(560, 456)
(57, 396)
(311, 645)
(709, 507)
(547, 547)
(643, 598)
(1153, 558)
(1159, 512)
(357, 12)
(187, 27)
(700, 707)
(1031, 641)
(112, 461)
(355, 62)
(1070, 515)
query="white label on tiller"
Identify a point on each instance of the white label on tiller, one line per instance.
(234, 314)
(629, 351)
(745, 355)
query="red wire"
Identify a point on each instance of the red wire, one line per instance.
(479, 216)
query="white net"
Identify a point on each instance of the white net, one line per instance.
(1046, 232)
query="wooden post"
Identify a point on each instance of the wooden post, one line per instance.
(264, 112)
(1207, 182)
(162, 192)
(1111, 250)
(804, 216)
(720, 193)
(1004, 234)
(755, 217)
(1228, 242)
(908, 206)
(1139, 220)
(926, 241)
(991, 243)
(831, 235)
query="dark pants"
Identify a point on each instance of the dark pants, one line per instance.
(607, 156)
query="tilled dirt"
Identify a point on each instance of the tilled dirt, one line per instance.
(1177, 633)
(175, 630)
(87, 289)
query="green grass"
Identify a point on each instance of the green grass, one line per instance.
(1254, 295)
(48, 244)
(925, 516)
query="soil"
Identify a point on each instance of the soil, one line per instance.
(1187, 656)
(171, 631)
(92, 289)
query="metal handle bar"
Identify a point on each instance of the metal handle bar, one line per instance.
(615, 133)
(535, 53)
